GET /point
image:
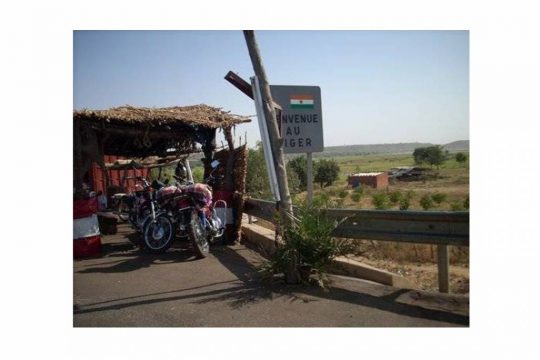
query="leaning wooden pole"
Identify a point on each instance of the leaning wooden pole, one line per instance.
(271, 121)
(285, 203)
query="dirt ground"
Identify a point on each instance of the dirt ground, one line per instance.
(423, 275)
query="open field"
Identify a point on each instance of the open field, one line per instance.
(451, 179)
(414, 261)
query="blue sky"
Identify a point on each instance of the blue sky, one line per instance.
(377, 86)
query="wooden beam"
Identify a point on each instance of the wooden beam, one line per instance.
(244, 86)
(152, 133)
(239, 83)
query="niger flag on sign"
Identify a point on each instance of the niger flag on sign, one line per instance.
(301, 101)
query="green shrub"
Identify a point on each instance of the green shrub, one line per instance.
(343, 194)
(410, 194)
(455, 206)
(395, 197)
(404, 203)
(438, 197)
(426, 202)
(380, 200)
(356, 196)
(308, 244)
(321, 200)
(466, 203)
(359, 190)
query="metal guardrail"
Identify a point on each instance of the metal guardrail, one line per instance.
(441, 228)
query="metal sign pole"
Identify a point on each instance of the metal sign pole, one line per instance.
(265, 137)
(309, 178)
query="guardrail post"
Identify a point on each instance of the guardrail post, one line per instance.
(443, 265)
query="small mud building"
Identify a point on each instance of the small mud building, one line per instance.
(377, 180)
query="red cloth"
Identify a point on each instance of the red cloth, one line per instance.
(84, 208)
(225, 195)
(88, 246)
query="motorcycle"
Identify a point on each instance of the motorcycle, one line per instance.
(137, 207)
(186, 211)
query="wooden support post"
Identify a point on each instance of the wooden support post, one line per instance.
(244, 86)
(309, 179)
(229, 181)
(443, 266)
(101, 161)
(285, 203)
(273, 131)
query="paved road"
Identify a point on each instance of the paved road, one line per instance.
(125, 287)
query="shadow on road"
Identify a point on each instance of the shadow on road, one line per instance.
(137, 259)
(249, 288)
(256, 290)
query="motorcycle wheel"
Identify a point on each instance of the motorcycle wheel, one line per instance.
(197, 236)
(123, 212)
(158, 235)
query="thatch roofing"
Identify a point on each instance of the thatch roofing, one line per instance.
(138, 132)
(195, 115)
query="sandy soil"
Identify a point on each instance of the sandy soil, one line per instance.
(424, 275)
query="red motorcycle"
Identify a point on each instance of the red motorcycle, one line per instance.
(185, 211)
(138, 206)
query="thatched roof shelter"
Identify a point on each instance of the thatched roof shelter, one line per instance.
(196, 115)
(139, 132)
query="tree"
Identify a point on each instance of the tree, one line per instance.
(295, 183)
(420, 155)
(432, 155)
(257, 184)
(326, 172)
(299, 166)
(461, 157)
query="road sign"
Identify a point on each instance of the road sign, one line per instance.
(301, 117)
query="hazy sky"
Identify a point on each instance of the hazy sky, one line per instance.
(377, 86)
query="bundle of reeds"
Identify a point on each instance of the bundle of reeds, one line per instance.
(239, 183)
